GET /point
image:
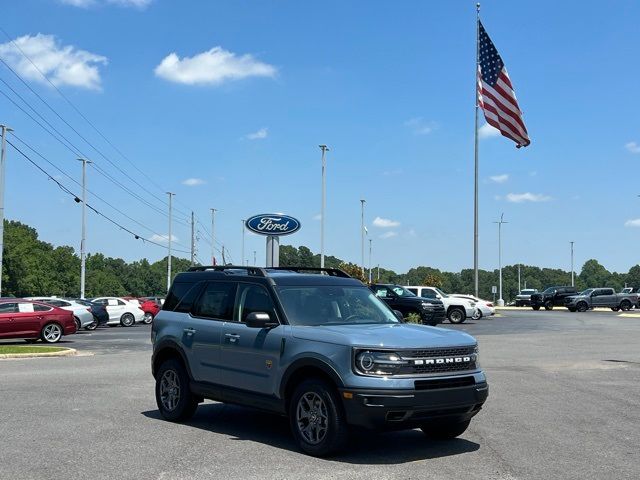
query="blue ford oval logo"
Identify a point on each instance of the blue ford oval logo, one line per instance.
(270, 224)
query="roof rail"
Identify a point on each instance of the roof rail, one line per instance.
(333, 272)
(255, 271)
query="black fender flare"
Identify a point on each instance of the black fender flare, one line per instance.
(165, 346)
(309, 362)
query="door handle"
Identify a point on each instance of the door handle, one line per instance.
(189, 331)
(233, 337)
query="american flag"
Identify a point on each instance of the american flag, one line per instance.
(495, 93)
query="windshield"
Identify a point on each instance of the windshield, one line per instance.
(402, 292)
(527, 291)
(332, 305)
(550, 290)
(587, 292)
(441, 292)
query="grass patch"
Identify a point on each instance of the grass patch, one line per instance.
(6, 349)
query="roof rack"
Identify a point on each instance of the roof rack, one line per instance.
(255, 271)
(333, 272)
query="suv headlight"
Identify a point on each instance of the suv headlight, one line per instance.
(477, 352)
(368, 362)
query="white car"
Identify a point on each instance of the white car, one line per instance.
(484, 308)
(121, 311)
(458, 309)
(81, 313)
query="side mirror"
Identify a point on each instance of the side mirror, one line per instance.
(398, 314)
(438, 296)
(260, 320)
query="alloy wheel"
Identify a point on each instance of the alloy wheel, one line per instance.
(170, 390)
(312, 418)
(52, 333)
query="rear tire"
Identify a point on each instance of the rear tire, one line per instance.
(445, 431)
(92, 326)
(548, 305)
(127, 320)
(51, 333)
(625, 305)
(456, 315)
(477, 315)
(316, 418)
(175, 401)
(78, 324)
(536, 307)
(148, 318)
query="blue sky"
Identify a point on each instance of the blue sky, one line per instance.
(225, 103)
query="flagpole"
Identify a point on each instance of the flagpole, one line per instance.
(475, 190)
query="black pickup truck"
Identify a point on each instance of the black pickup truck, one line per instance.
(431, 310)
(551, 297)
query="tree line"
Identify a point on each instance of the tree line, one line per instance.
(34, 267)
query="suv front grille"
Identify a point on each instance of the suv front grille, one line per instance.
(438, 360)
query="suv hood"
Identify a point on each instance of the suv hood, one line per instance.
(397, 335)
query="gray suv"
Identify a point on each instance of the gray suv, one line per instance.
(318, 347)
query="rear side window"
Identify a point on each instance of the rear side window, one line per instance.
(216, 301)
(41, 308)
(428, 293)
(413, 290)
(8, 307)
(181, 296)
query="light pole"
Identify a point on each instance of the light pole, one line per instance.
(242, 259)
(362, 202)
(500, 299)
(3, 157)
(519, 290)
(83, 239)
(213, 238)
(572, 278)
(171, 195)
(324, 149)
(370, 242)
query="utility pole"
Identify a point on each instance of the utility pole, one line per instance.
(242, 259)
(572, 277)
(500, 299)
(3, 158)
(370, 241)
(254, 258)
(323, 203)
(193, 240)
(213, 238)
(224, 261)
(171, 195)
(362, 202)
(83, 239)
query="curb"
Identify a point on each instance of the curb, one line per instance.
(67, 352)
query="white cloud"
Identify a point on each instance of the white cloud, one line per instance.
(632, 223)
(193, 182)
(632, 147)
(162, 238)
(386, 235)
(212, 67)
(62, 64)
(419, 126)
(487, 131)
(259, 135)
(141, 4)
(385, 223)
(499, 178)
(527, 197)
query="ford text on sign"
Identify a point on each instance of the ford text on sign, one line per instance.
(267, 224)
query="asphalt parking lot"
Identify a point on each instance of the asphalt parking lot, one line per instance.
(564, 404)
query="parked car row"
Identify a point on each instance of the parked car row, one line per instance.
(50, 318)
(431, 304)
(574, 301)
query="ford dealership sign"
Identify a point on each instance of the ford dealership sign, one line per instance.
(270, 224)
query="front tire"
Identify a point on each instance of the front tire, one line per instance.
(78, 324)
(582, 307)
(316, 418)
(536, 307)
(548, 305)
(445, 430)
(456, 315)
(175, 401)
(625, 306)
(51, 333)
(127, 320)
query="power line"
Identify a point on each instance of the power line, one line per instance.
(77, 110)
(78, 200)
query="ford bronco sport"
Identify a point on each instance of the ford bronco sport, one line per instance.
(319, 347)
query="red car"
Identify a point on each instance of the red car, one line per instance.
(150, 309)
(34, 320)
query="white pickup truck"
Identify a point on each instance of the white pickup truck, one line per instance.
(458, 309)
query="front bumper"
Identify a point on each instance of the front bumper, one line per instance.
(409, 408)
